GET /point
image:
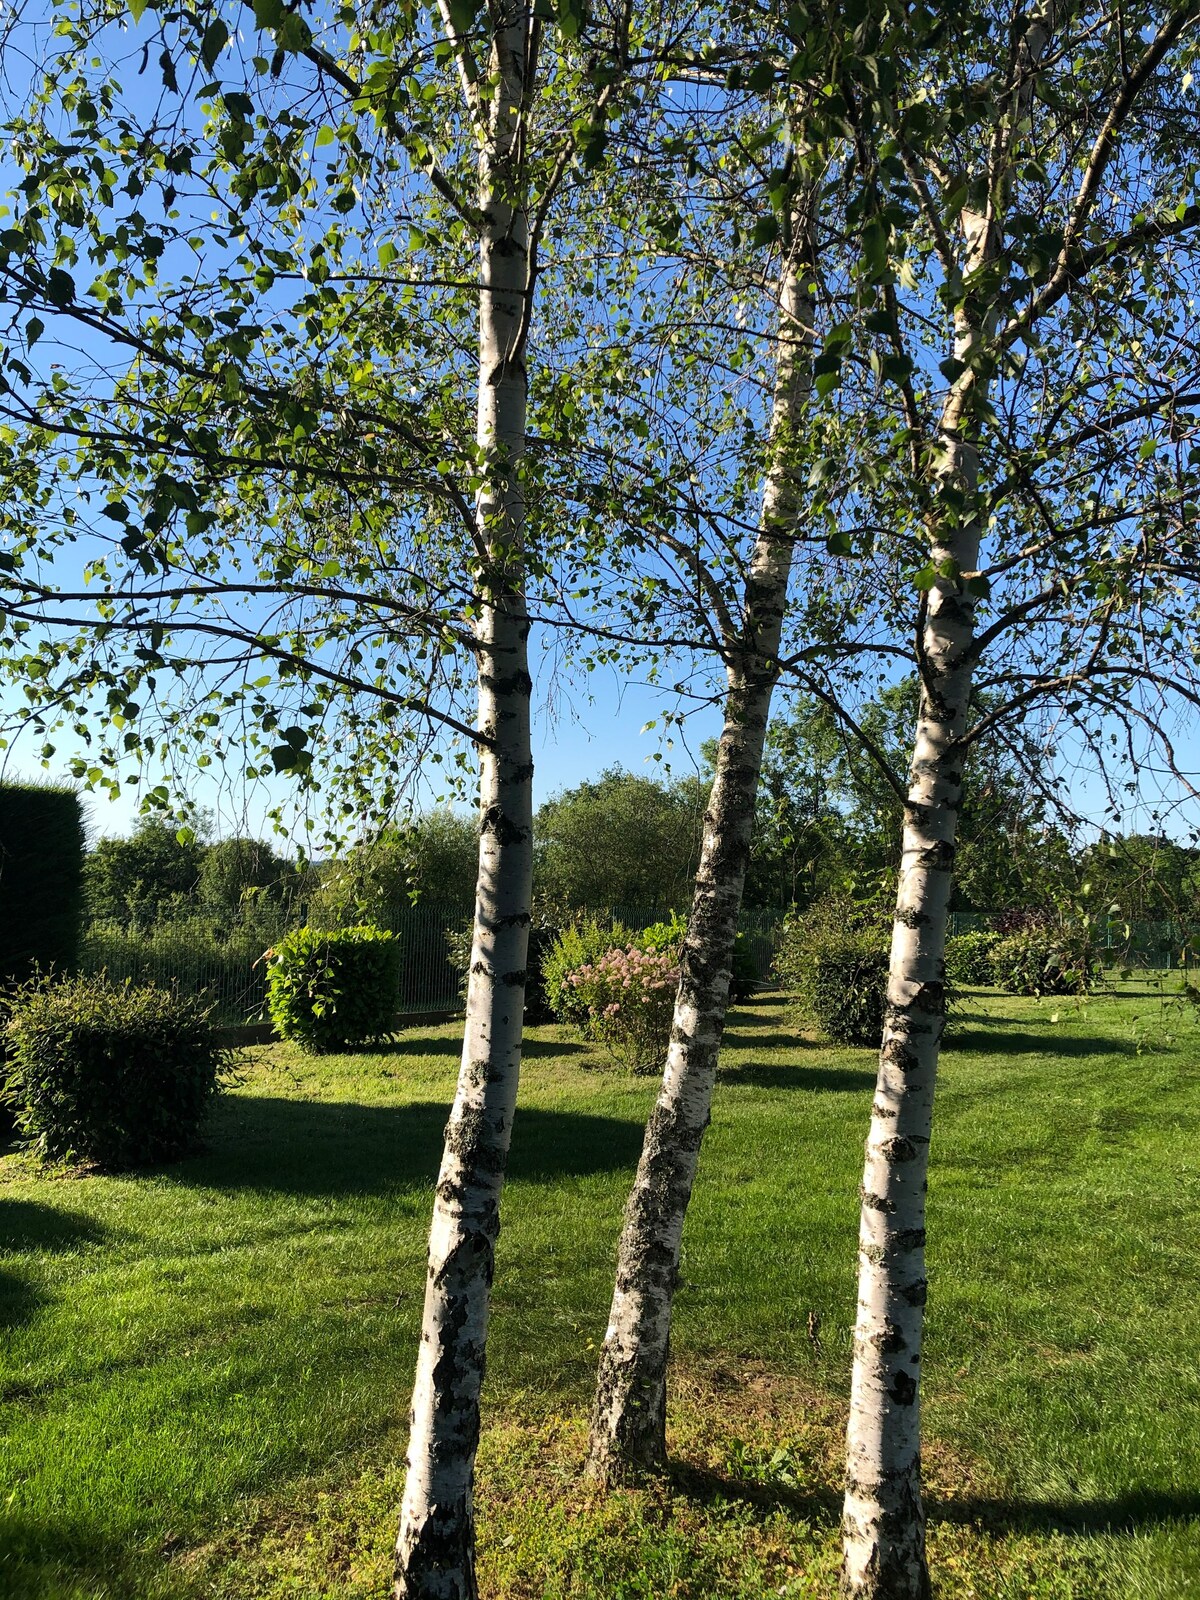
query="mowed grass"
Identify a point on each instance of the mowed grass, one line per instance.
(205, 1370)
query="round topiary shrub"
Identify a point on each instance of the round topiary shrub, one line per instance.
(333, 990)
(117, 1074)
(970, 958)
(834, 958)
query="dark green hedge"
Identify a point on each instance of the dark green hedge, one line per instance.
(41, 879)
(108, 1072)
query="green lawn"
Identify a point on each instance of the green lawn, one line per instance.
(205, 1371)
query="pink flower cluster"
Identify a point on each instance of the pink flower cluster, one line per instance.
(630, 998)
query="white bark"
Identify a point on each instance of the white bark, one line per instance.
(435, 1557)
(628, 1432)
(884, 1521)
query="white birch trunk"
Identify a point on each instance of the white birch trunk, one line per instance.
(628, 1430)
(435, 1549)
(884, 1520)
(884, 1525)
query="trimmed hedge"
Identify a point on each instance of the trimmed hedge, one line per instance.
(110, 1073)
(834, 958)
(41, 879)
(970, 957)
(331, 990)
(1045, 961)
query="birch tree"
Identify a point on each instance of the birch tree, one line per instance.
(628, 1429)
(1020, 235)
(528, 109)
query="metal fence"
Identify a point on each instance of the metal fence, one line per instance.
(1139, 946)
(230, 971)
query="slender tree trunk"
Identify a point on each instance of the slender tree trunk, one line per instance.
(628, 1430)
(435, 1550)
(884, 1522)
(884, 1525)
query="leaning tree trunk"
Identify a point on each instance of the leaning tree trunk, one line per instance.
(628, 1429)
(435, 1549)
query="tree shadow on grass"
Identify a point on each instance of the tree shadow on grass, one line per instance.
(821, 1504)
(27, 1227)
(791, 1040)
(794, 1075)
(420, 1044)
(337, 1148)
(45, 1558)
(1003, 1041)
(1139, 1508)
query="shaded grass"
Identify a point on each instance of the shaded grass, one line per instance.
(205, 1369)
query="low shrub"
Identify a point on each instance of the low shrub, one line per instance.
(847, 988)
(111, 1073)
(578, 945)
(661, 937)
(834, 958)
(1045, 960)
(331, 990)
(970, 957)
(628, 996)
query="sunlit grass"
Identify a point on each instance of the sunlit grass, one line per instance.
(205, 1370)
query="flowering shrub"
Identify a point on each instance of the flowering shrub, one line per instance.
(628, 996)
(580, 944)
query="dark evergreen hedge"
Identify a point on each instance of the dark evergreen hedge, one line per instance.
(41, 879)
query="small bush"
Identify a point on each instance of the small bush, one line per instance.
(744, 983)
(834, 958)
(969, 958)
(330, 990)
(109, 1073)
(663, 936)
(576, 946)
(1045, 960)
(629, 999)
(847, 988)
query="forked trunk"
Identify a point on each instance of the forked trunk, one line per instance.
(628, 1431)
(435, 1550)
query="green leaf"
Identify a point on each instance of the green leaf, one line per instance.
(268, 13)
(34, 329)
(926, 577)
(839, 544)
(60, 287)
(293, 34)
(137, 9)
(216, 37)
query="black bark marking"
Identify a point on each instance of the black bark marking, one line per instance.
(903, 1388)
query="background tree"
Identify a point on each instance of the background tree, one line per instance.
(145, 878)
(620, 840)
